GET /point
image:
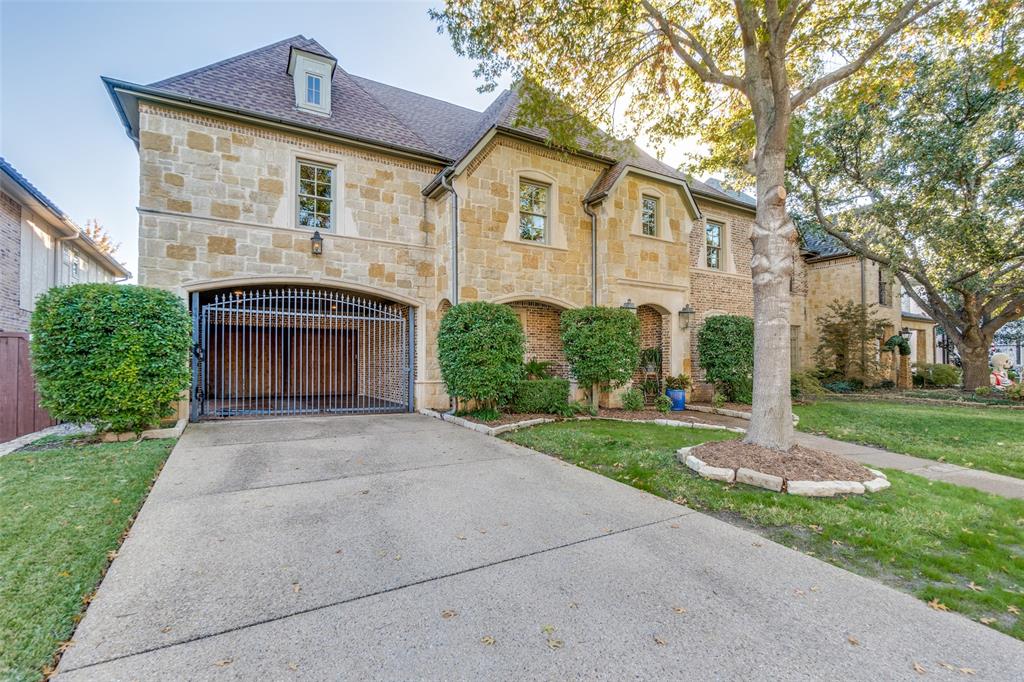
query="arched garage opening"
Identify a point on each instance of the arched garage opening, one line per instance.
(271, 351)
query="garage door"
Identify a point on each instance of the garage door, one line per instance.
(297, 351)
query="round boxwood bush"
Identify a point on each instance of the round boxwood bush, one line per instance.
(480, 349)
(725, 344)
(115, 356)
(602, 345)
(549, 395)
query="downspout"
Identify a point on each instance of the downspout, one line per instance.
(593, 251)
(863, 302)
(446, 183)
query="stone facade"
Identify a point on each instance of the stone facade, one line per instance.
(13, 318)
(218, 210)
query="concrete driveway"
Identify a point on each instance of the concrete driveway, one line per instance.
(402, 547)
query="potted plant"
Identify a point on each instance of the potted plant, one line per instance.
(650, 358)
(675, 389)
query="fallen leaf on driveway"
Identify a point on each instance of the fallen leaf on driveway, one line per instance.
(976, 588)
(573, 605)
(293, 667)
(165, 629)
(986, 621)
(919, 669)
(296, 588)
(223, 663)
(659, 641)
(853, 640)
(555, 643)
(947, 666)
(1013, 609)
(460, 536)
(487, 641)
(937, 605)
(548, 629)
(448, 614)
(679, 609)
(967, 671)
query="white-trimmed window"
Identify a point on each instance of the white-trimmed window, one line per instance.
(649, 211)
(534, 201)
(713, 244)
(313, 87)
(315, 200)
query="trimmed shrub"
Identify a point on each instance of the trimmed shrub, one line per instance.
(943, 375)
(725, 344)
(480, 350)
(805, 384)
(663, 404)
(113, 355)
(633, 400)
(839, 387)
(602, 345)
(550, 396)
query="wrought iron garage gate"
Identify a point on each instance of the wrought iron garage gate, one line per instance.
(299, 351)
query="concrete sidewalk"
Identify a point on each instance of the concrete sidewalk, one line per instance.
(997, 484)
(402, 547)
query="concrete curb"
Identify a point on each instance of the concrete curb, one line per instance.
(777, 483)
(149, 434)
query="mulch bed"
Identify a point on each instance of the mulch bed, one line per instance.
(799, 464)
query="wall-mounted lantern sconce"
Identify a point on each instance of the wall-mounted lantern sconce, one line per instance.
(905, 332)
(317, 243)
(629, 305)
(686, 314)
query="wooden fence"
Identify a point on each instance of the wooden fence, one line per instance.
(19, 402)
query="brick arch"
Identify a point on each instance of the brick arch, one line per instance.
(655, 331)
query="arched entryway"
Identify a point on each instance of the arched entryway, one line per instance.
(267, 351)
(655, 344)
(542, 327)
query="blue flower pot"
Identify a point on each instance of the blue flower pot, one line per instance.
(678, 398)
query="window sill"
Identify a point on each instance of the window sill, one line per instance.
(721, 273)
(654, 237)
(539, 245)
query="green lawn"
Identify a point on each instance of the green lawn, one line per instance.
(934, 540)
(984, 438)
(62, 511)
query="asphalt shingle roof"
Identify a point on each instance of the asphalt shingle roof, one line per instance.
(821, 244)
(257, 82)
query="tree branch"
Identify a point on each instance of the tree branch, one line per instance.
(904, 17)
(706, 68)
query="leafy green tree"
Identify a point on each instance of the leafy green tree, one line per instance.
(847, 336)
(725, 348)
(731, 72)
(925, 175)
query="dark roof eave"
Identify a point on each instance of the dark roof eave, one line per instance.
(722, 199)
(141, 91)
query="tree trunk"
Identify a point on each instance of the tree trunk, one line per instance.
(771, 420)
(975, 362)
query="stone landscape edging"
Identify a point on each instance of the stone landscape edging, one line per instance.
(149, 434)
(724, 411)
(779, 484)
(503, 428)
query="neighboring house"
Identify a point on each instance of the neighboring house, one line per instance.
(834, 273)
(41, 247)
(246, 164)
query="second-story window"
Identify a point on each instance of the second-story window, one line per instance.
(313, 89)
(316, 196)
(713, 237)
(649, 216)
(533, 211)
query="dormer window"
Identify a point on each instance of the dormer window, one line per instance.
(313, 89)
(311, 73)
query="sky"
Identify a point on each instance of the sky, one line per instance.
(59, 128)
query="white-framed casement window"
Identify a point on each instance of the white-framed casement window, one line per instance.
(534, 204)
(713, 244)
(314, 85)
(316, 195)
(649, 212)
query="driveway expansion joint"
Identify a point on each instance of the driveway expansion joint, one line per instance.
(389, 590)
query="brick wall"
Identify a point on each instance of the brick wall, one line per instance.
(543, 336)
(653, 334)
(12, 317)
